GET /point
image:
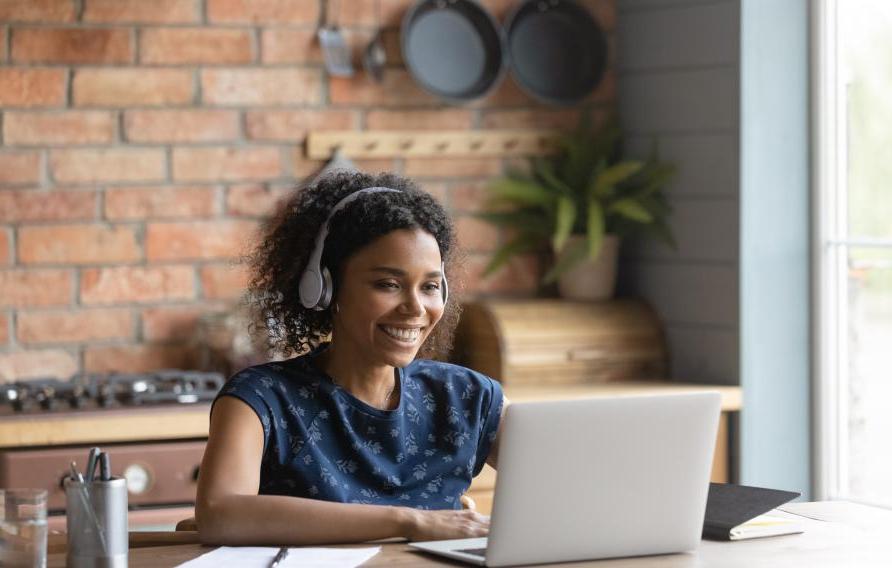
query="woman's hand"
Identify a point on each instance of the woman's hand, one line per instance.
(445, 525)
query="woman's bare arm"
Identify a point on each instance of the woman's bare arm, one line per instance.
(230, 511)
(493, 458)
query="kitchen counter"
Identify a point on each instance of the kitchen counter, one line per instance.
(184, 422)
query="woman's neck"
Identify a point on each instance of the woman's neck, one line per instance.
(375, 385)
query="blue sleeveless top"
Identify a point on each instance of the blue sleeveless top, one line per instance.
(321, 442)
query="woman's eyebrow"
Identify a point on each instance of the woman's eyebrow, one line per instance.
(399, 272)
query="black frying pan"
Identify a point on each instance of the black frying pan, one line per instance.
(558, 52)
(453, 48)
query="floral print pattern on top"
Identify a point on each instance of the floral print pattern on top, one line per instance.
(323, 443)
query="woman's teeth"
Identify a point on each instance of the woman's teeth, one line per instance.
(409, 335)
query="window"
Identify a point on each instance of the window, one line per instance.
(853, 252)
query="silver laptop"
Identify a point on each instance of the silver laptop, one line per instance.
(597, 478)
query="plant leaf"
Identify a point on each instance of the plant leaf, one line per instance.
(614, 175)
(565, 218)
(569, 258)
(523, 243)
(631, 209)
(524, 220)
(595, 228)
(545, 170)
(523, 192)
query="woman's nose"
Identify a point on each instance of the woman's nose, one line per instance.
(412, 304)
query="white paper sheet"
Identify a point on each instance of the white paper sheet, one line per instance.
(261, 556)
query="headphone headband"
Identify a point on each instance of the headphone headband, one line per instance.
(316, 286)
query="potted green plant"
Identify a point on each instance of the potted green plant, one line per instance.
(579, 203)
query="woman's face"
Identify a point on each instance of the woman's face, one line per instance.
(390, 298)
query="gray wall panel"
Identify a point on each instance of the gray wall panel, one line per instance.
(702, 229)
(688, 100)
(708, 164)
(700, 34)
(705, 355)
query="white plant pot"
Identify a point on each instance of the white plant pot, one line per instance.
(592, 279)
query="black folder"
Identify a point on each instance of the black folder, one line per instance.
(729, 505)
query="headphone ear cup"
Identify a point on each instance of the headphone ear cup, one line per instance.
(310, 289)
(445, 288)
(327, 290)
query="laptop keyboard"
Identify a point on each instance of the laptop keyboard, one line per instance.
(475, 551)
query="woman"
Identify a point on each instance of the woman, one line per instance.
(355, 439)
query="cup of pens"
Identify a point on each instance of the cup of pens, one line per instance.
(96, 511)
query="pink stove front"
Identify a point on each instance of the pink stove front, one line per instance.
(161, 476)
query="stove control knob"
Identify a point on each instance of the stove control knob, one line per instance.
(139, 480)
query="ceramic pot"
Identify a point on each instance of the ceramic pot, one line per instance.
(592, 279)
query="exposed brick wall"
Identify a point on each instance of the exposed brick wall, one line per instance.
(143, 142)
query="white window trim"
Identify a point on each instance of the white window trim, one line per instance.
(829, 375)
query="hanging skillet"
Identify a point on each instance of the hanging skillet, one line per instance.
(558, 52)
(453, 48)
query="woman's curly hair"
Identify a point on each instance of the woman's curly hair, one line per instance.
(278, 261)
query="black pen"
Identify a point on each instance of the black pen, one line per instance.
(280, 556)
(104, 467)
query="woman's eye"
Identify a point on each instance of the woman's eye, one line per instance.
(387, 285)
(431, 287)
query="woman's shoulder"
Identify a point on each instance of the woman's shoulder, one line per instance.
(274, 375)
(432, 371)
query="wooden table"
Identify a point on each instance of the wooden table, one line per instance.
(837, 534)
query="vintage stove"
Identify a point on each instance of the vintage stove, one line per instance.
(154, 426)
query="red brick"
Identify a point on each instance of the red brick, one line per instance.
(438, 191)
(195, 45)
(476, 235)
(562, 119)
(223, 281)
(63, 45)
(19, 167)
(226, 163)
(77, 244)
(109, 164)
(518, 277)
(35, 288)
(154, 202)
(68, 326)
(181, 125)
(3, 35)
(287, 45)
(293, 125)
(392, 11)
(264, 11)
(138, 358)
(397, 89)
(199, 240)
(37, 205)
(172, 323)
(32, 87)
(446, 119)
(4, 330)
(255, 200)
(37, 11)
(141, 11)
(452, 167)
(132, 87)
(5, 256)
(604, 12)
(499, 8)
(261, 86)
(123, 284)
(507, 93)
(33, 364)
(469, 197)
(606, 89)
(64, 127)
(302, 167)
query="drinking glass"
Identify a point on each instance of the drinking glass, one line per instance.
(23, 528)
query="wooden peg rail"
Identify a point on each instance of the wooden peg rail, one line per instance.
(413, 143)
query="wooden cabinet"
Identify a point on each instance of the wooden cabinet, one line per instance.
(481, 490)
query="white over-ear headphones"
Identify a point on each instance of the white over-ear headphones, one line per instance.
(316, 286)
